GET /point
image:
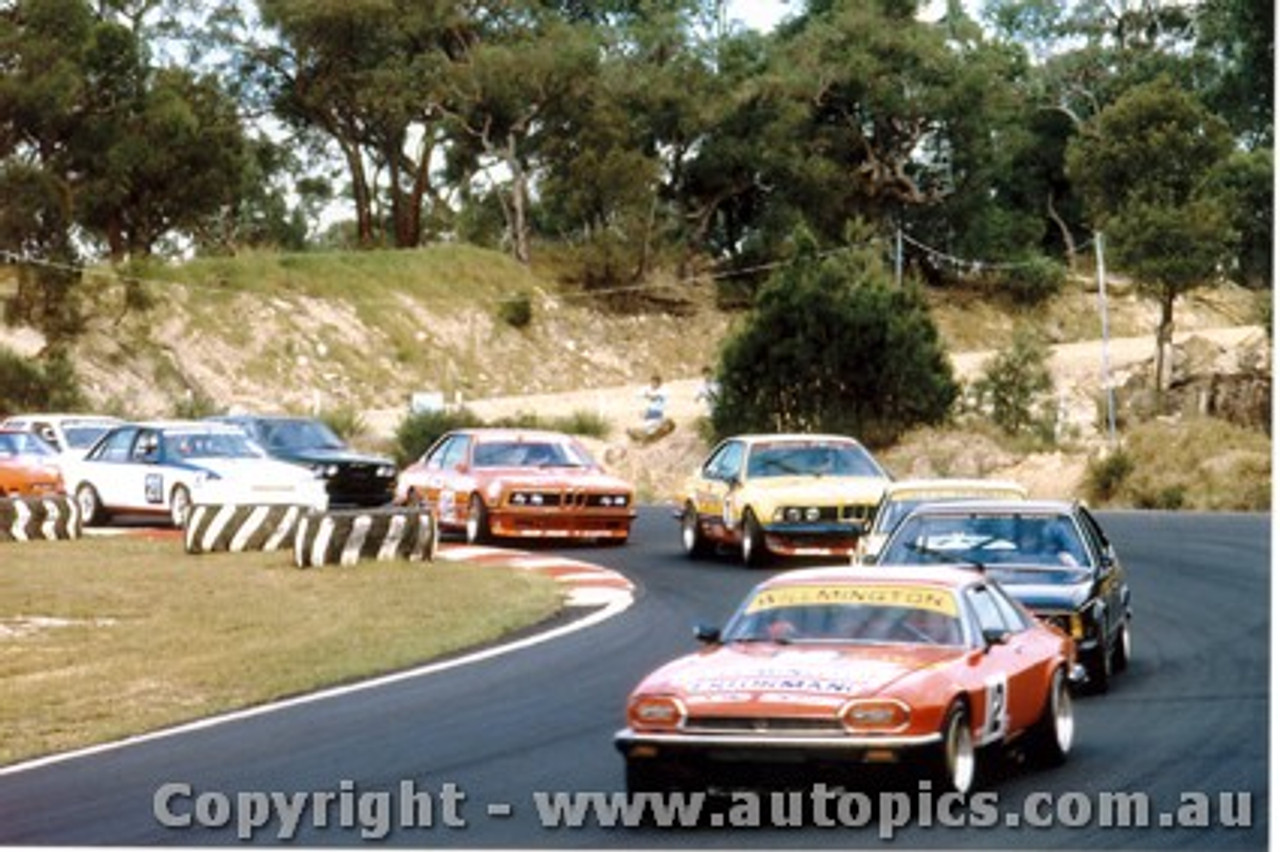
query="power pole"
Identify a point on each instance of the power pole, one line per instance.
(1106, 365)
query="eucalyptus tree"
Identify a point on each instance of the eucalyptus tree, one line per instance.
(370, 77)
(100, 145)
(1144, 166)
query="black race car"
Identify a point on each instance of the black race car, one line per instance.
(1050, 555)
(352, 478)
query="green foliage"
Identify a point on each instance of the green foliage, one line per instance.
(46, 384)
(1034, 281)
(831, 346)
(1105, 476)
(1016, 387)
(195, 404)
(516, 311)
(417, 432)
(1143, 166)
(347, 421)
(1244, 185)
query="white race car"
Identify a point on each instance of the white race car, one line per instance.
(163, 467)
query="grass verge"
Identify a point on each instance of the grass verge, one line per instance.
(103, 638)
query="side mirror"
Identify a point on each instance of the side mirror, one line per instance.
(707, 634)
(995, 636)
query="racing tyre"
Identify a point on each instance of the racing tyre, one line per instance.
(696, 545)
(956, 761)
(754, 551)
(179, 506)
(1053, 733)
(90, 505)
(477, 521)
(1123, 650)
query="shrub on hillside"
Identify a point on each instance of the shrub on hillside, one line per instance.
(1016, 388)
(1195, 463)
(417, 432)
(1034, 281)
(1105, 476)
(516, 311)
(831, 345)
(346, 420)
(45, 384)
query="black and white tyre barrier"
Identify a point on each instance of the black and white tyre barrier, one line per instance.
(347, 537)
(238, 527)
(38, 518)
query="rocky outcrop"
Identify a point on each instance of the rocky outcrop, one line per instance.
(1206, 379)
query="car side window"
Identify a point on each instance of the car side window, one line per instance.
(988, 611)
(116, 447)
(726, 463)
(146, 448)
(1015, 619)
(436, 460)
(456, 453)
(1097, 539)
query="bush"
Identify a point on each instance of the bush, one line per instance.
(45, 384)
(831, 345)
(1016, 388)
(516, 311)
(346, 421)
(417, 432)
(1034, 281)
(1105, 477)
(576, 423)
(195, 405)
(1194, 463)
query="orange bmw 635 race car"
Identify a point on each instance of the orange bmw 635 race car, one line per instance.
(823, 671)
(492, 483)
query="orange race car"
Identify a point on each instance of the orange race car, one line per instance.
(491, 483)
(823, 671)
(28, 465)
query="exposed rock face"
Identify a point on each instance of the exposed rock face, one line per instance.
(1231, 383)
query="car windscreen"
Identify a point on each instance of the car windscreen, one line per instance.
(82, 435)
(810, 458)
(527, 454)
(849, 613)
(23, 444)
(1029, 541)
(299, 435)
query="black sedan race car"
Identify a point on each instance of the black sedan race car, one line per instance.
(1052, 556)
(352, 478)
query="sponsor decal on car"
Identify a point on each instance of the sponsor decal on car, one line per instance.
(880, 595)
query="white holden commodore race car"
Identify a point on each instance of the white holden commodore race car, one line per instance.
(163, 467)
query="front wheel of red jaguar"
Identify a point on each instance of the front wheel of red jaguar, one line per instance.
(955, 761)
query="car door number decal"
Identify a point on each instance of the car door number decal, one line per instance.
(154, 488)
(448, 505)
(996, 722)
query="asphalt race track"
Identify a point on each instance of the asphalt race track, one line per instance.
(1185, 730)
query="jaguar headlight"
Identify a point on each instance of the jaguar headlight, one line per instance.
(655, 712)
(875, 715)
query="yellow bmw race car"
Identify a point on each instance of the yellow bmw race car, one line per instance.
(781, 494)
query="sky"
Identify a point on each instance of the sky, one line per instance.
(761, 15)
